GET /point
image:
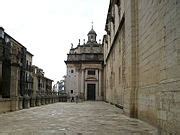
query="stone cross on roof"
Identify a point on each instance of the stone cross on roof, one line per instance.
(92, 24)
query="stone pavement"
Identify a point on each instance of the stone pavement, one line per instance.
(86, 118)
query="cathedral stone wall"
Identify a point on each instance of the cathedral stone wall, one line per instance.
(159, 68)
(142, 68)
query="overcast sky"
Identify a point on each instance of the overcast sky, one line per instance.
(48, 27)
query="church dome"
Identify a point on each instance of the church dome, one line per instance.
(92, 32)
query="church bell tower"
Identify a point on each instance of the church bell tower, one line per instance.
(92, 36)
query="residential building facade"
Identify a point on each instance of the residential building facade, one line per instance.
(59, 86)
(17, 82)
(42, 87)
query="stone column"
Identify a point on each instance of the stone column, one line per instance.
(100, 85)
(0, 78)
(82, 82)
(85, 91)
(14, 88)
(33, 97)
(1, 56)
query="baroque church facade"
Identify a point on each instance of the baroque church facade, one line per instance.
(84, 69)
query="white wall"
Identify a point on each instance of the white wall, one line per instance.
(72, 81)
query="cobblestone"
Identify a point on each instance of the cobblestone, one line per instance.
(86, 118)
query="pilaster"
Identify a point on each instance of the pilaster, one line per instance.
(100, 85)
(134, 59)
(14, 88)
(82, 81)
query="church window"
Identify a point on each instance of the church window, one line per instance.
(72, 71)
(91, 72)
(71, 91)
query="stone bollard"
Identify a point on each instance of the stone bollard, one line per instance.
(38, 100)
(49, 99)
(46, 99)
(14, 103)
(42, 100)
(20, 104)
(55, 99)
(26, 101)
(33, 101)
(52, 99)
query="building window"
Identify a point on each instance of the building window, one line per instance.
(26, 64)
(71, 91)
(91, 72)
(72, 71)
(26, 77)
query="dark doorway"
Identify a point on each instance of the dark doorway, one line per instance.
(91, 91)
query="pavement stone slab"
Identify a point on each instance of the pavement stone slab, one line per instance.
(85, 118)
